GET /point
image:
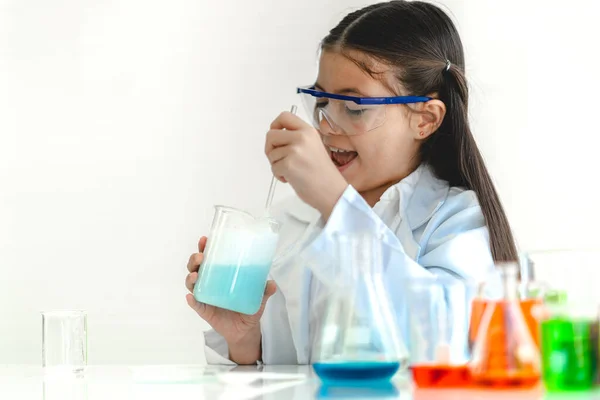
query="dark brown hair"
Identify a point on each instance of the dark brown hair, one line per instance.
(417, 40)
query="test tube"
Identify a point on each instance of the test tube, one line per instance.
(64, 341)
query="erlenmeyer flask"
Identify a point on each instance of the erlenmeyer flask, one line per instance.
(359, 339)
(529, 302)
(504, 353)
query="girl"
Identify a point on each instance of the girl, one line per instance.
(391, 151)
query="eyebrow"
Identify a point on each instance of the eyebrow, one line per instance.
(342, 91)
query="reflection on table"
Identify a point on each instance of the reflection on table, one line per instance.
(235, 383)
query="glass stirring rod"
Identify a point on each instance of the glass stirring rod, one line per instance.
(273, 179)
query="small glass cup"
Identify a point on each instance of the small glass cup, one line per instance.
(237, 259)
(64, 341)
(439, 314)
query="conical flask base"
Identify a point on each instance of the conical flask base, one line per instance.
(356, 371)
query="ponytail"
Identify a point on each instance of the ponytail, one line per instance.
(463, 163)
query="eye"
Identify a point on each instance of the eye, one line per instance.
(355, 113)
(354, 110)
(321, 104)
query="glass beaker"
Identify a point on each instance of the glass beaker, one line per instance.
(570, 274)
(237, 259)
(359, 340)
(568, 359)
(504, 352)
(64, 341)
(439, 314)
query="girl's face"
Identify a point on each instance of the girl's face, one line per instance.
(379, 158)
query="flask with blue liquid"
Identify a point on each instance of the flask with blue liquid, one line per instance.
(358, 341)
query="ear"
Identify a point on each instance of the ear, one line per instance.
(429, 118)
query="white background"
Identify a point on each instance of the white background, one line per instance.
(123, 122)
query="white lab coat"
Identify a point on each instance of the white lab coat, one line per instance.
(432, 227)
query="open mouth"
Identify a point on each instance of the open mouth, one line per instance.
(341, 157)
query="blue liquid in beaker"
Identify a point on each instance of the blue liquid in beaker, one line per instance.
(356, 371)
(232, 287)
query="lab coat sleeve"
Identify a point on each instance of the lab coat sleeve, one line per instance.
(352, 214)
(454, 245)
(216, 349)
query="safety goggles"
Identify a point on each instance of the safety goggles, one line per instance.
(349, 115)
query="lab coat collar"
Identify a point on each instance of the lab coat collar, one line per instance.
(421, 194)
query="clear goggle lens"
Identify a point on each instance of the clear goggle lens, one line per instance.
(343, 117)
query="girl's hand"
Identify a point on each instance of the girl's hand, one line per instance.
(297, 155)
(240, 331)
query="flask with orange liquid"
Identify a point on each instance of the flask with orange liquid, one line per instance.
(527, 305)
(504, 353)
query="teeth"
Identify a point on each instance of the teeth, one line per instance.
(336, 150)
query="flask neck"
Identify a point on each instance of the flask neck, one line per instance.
(510, 283)
(359, 256)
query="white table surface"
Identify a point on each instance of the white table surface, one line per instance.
(223, 383)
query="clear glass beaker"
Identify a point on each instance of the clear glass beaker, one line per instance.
(64, 341)
(504, 352)
(439, 315)
(359, 340)
(237, 260)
